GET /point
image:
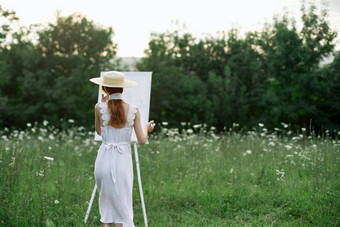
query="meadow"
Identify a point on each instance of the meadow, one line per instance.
(191, 176)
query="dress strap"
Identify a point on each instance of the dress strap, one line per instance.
(105, 113)
(132, 114)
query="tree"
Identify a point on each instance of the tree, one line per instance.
(50, 80)
(329, 104)
(291, 58)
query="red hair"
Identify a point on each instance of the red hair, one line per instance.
(115, 107)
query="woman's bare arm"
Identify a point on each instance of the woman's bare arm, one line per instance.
(97, 119)
(142, 132)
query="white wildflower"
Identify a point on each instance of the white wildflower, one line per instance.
(56, 202)
(303, 129)
(71, 121)
(284, 125)
(231, 170)
(271, 144)
(288, 147)
(164, 123)
(235, 125)
(41, 138)
(87, 142)
(51, 137)
(280, 174)
(183, 123)
(43, 130)
(28, 124)
(45, 123)
(248, 151)
(48, 158)
(190, 131)
(214, 136)
(40, 173)
(261, 125)
(197, 126)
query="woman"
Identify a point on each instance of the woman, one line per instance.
(114, 120)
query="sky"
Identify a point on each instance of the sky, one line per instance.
(134, 20)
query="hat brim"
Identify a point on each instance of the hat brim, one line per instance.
(124, 84)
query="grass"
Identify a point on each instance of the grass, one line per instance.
(192, 178)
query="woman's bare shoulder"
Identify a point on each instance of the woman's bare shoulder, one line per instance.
(97, 108)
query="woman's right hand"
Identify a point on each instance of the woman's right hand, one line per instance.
(104, 98)
(150, 126)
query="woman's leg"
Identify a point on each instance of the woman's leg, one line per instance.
(106, 224)
(118, 225)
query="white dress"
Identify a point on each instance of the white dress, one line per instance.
(113, 170)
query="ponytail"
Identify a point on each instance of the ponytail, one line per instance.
(115, 108)
(117, 113)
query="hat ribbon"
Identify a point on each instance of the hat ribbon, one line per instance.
(116, 96)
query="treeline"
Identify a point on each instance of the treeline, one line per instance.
(268, 76)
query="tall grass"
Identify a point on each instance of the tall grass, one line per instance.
(191, 177)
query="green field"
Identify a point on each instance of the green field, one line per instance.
(191, 177)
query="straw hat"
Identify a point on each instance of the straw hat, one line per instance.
(113, 79)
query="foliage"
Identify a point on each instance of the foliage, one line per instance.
(7, 19)
(270, 76)
(191, 177)
(49, 80)
(292, 60)
(329, 75)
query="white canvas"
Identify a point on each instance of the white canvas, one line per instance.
(138, 95)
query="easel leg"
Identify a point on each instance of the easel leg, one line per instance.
(140, 185)
(90, 204)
